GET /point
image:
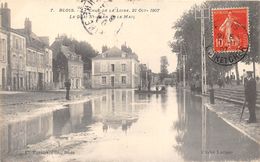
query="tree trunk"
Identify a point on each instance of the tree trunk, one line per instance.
(237, 74)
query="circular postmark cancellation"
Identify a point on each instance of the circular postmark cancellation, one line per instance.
(95, 16)
(230, 35)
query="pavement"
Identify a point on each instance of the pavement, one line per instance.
(228, 106)
(14, 104)
(23, 97)
(231, 112)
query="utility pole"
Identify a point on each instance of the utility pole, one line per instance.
(184, 69)
(202, 18)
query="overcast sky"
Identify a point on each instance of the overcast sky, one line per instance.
(148, 34)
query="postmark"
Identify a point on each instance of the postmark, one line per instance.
(95, 16)
(230, 29)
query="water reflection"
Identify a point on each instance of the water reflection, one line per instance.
(169, 127)
(116, 109)
(203, 136)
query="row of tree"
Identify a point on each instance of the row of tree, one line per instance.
(186, 39)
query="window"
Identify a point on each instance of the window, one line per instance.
(104, 67)
(123, 79)
(16, 44)
(112, 67)
(104, 80)
(3, 49)
(123, 67)
(96, 67)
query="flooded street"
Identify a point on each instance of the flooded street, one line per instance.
(123, 126)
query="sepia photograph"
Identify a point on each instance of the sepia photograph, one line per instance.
(129, 80)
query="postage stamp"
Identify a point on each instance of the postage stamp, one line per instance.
(230, 29)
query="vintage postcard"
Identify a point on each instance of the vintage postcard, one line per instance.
(129, 80)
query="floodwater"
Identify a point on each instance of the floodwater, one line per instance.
(123, 126)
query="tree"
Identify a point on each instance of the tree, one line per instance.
(126, 49)
(82, 48)
(164, 67)
(188, 33)
(253, 6)
(104, 48)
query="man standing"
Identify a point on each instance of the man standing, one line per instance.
(67, 85)
(250, 96)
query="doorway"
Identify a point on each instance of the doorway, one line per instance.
(3, 78)
(40, 81)
(112, 81)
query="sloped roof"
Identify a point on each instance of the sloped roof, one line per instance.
(114, 52)
(70, 55)
(32, 40)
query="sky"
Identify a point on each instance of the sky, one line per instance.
(148, 34)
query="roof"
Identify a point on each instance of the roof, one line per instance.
(32, 40)
(115, 52)
(70, 55)
(16, 32)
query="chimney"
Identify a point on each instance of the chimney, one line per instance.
(5, 12)
(27, 26)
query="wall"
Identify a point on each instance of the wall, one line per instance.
(3, 60)
(102, 68)
(38, 62)
(17, 61)
(75, 74)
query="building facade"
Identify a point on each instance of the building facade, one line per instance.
(17, 61)
(16, 52)
(67, 65)
(38, 67)
(3, 58)
(29, 58)
(115, 69)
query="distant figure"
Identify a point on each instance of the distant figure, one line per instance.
(105, 127)
(197, 85)
(124, 126)
(244, 76)
(157, 87)
(149, 86)
(163, 88)
(67, 84)
(192, 85)
(227, 79)
(219, 82)
(250, 96)
(233, 77)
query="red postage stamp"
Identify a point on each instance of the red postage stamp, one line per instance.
(230, 30)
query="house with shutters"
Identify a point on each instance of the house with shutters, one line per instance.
(115, 68)
(67, 65)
